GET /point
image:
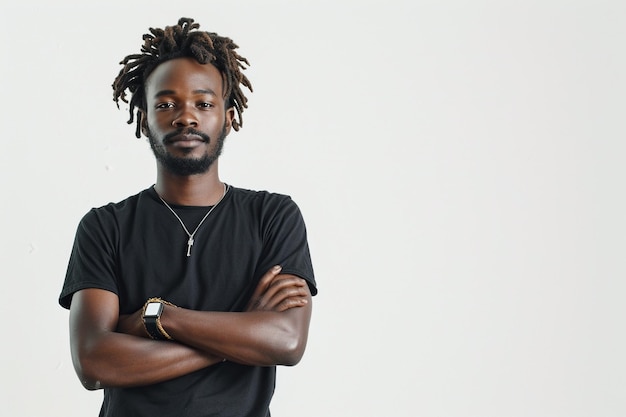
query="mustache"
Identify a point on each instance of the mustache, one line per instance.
(189, 131)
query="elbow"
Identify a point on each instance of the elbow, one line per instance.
(89, 381)
(91, 385)
(87, 372)
(292, 350)
(293, 339)
(291, 360)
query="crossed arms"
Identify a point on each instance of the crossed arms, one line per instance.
(109, 350)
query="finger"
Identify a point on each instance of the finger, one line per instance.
(282, 283)
(266, 281)
(287, 293)
(291, 302)
(264, 284)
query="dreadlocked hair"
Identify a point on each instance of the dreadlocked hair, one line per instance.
(182, 40)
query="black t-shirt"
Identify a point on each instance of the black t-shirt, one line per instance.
(138, 249)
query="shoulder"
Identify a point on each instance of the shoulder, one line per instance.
(114, 211)
(260, 200)
(272, 210)
(258, 197)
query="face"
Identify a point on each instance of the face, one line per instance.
(186, 120)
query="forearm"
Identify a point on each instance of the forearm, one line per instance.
(104, 357)
(260, 338)
(120, 360)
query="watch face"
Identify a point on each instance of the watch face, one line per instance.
(153, 309)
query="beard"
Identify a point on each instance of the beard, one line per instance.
(186, 166)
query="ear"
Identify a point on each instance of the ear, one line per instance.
(143, 122)
(230, 117)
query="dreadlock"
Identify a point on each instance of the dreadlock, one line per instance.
(182, 40)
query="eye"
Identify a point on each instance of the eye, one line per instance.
(166, 105)
(205, 105)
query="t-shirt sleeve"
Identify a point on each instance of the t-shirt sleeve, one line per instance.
(92, 260)
(285, 242)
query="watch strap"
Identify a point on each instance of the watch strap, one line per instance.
(152, 327)
(152, 323)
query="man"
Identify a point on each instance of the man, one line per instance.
(185, 297)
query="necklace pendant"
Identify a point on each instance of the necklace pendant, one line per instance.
(189, 244)
(190, 241)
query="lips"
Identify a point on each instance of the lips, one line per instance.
(185, 138)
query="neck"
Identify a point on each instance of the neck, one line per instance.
(193, 190)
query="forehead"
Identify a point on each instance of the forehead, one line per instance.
(182, 75)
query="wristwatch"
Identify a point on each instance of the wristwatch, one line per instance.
(151, 319)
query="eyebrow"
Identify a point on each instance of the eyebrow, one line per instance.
(172, 92)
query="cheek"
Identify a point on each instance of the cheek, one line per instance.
(154, 125)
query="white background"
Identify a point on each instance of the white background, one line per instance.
(460, 166)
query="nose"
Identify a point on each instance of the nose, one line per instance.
(185, 117)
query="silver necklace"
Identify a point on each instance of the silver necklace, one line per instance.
(191, 235)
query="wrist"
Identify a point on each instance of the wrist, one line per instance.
(159, 323)
(151, 316)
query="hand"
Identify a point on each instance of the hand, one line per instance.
(278, 292)
(132, 324)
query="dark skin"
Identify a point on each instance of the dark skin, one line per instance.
(113, 350)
